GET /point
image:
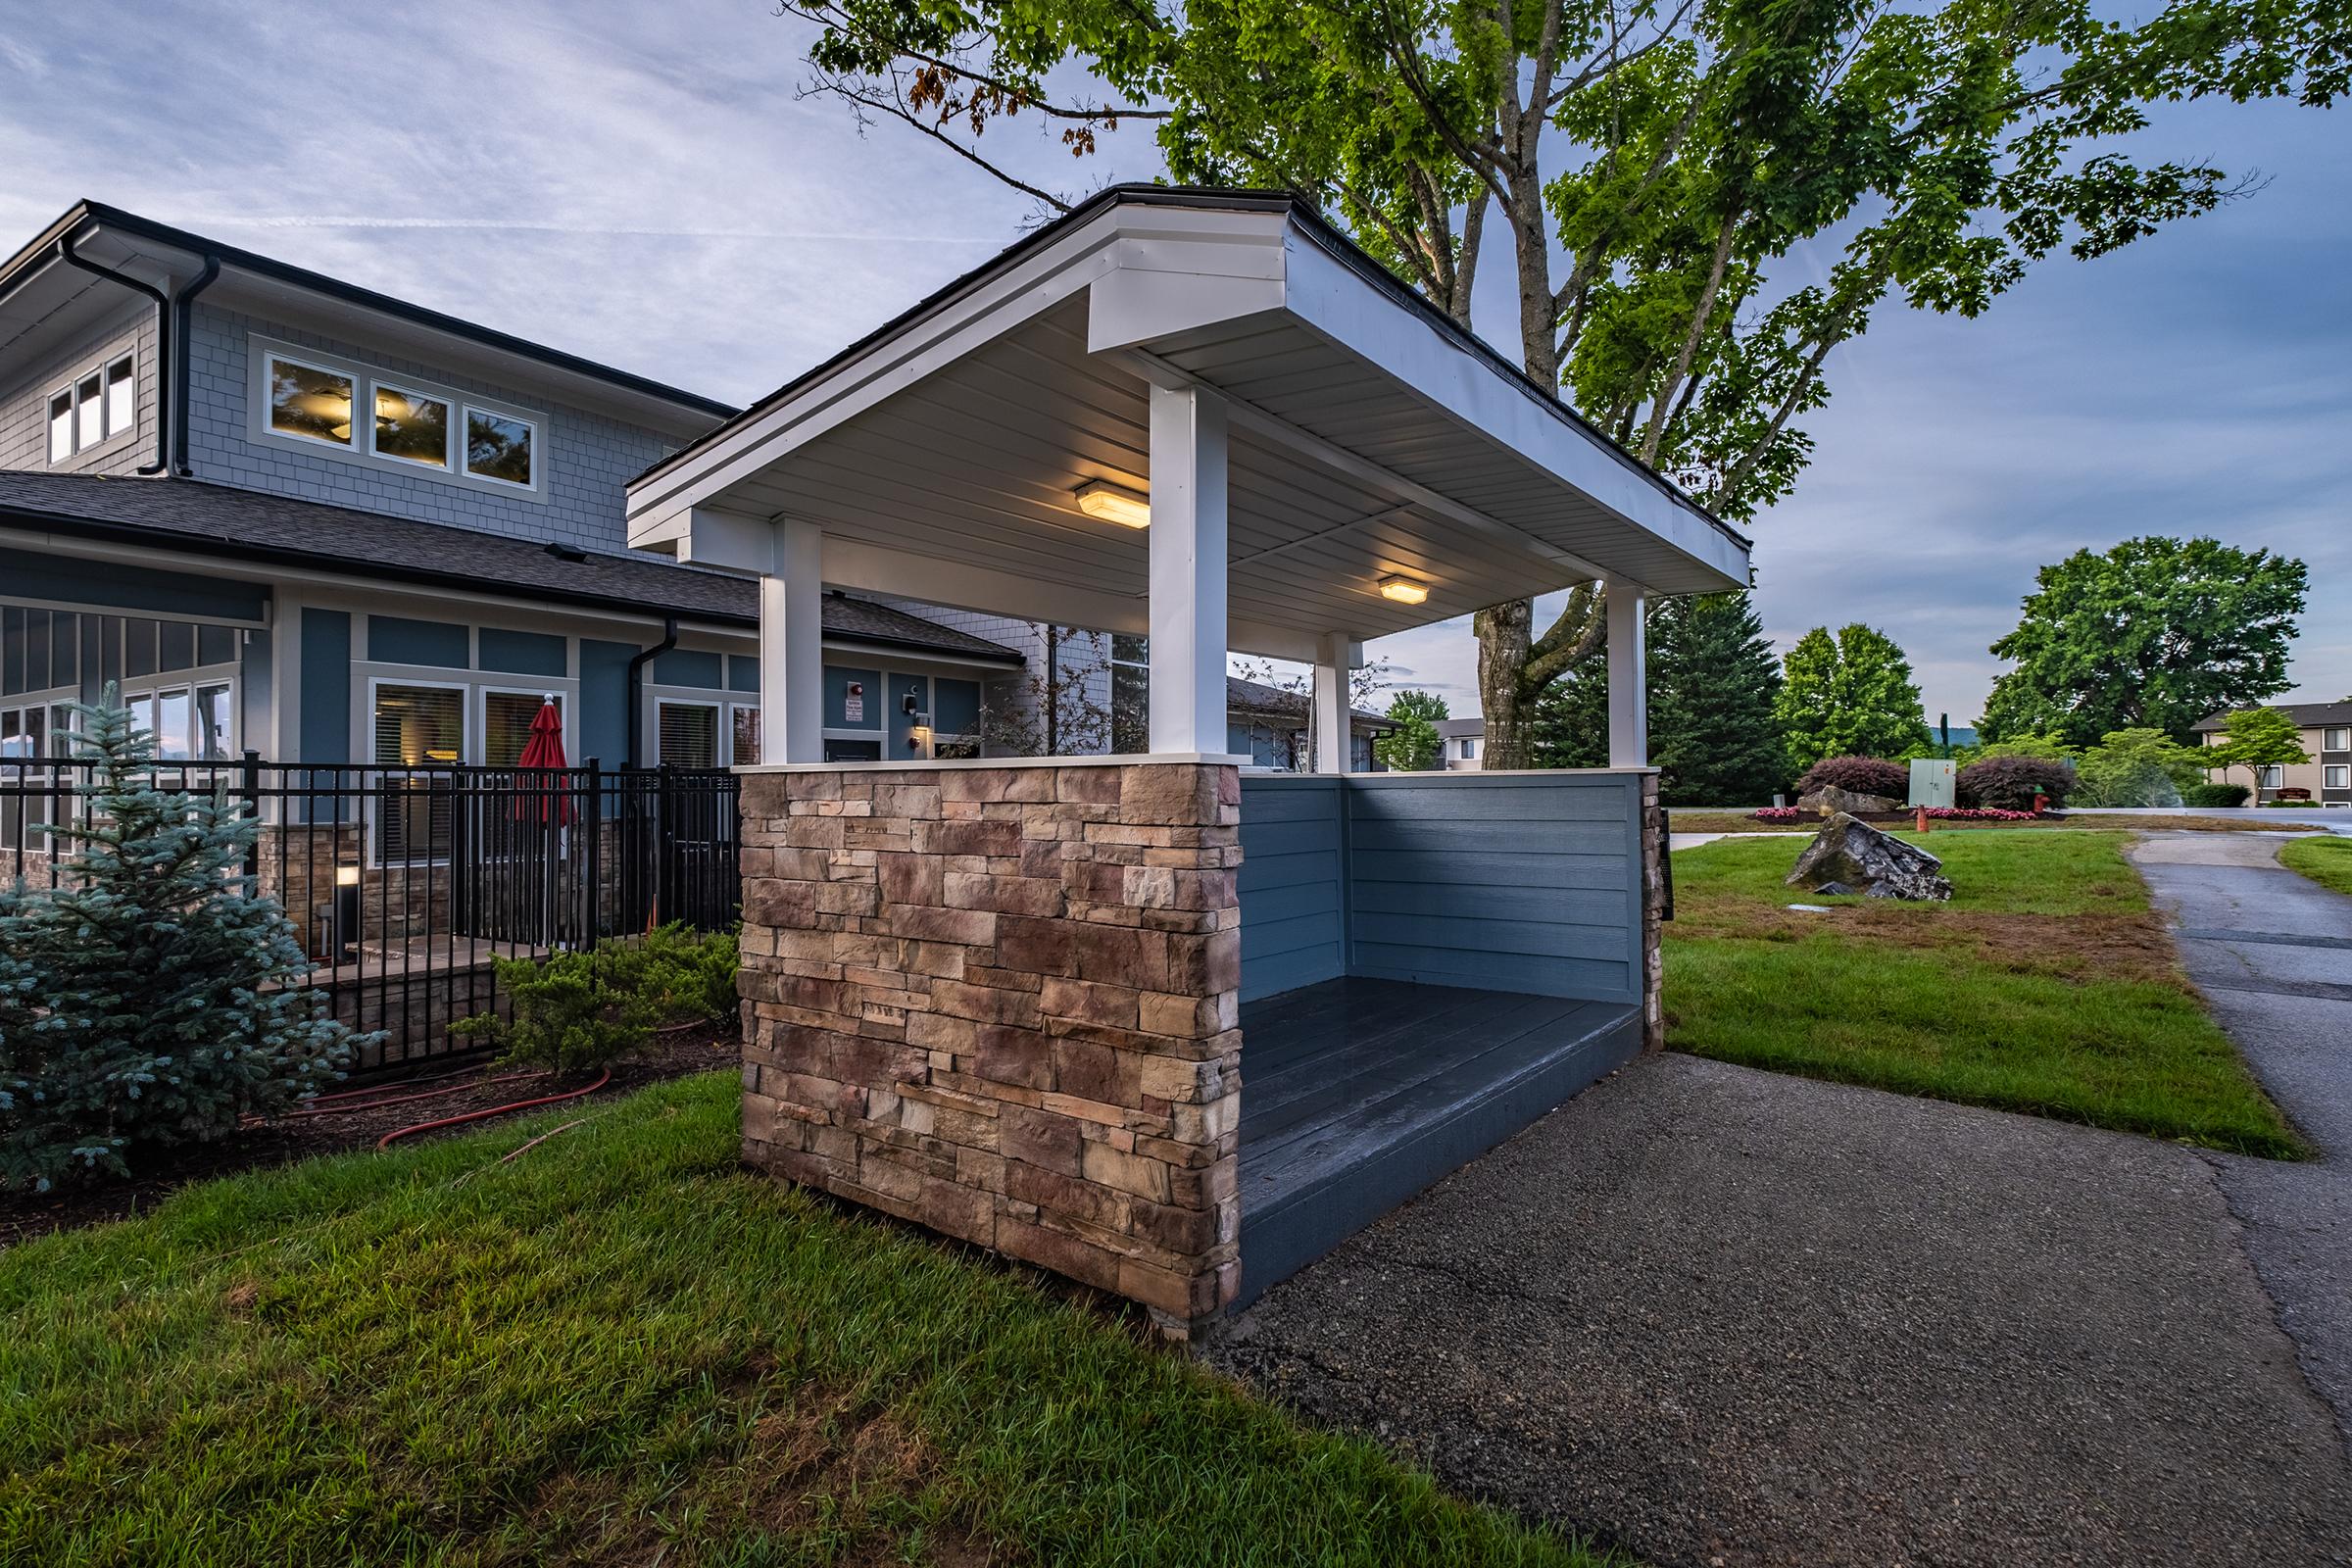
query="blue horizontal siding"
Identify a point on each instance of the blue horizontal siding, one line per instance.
(1292, 892)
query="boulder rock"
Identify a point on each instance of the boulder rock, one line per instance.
(1829, 800)
(1855, 853)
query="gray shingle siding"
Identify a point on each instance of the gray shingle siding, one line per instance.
(25, 396)
(589, 457)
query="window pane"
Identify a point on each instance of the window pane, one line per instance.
(174, 725)
(142, 711)
(418, 726)
(1130, 650)
(497, 447)
(690, 734)
(121, 397)
(138, 646)
(36, 651)
(212, 722)
(310, 402)
(412, 427)
(15, 739)
(507, 719)
(1130, 709)
(89, 414)
(65, 647)
(747, 734)
(61, 428)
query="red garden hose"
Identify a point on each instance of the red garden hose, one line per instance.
(397, 1134)
(313, 1108)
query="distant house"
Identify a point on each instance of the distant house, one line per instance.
(1463, 744)
(2327, 779)
(1268, 726)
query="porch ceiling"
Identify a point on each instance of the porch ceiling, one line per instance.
(941, 456)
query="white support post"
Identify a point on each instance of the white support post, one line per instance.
(1188, 571)
(1333, 733)
(792, 648)
(1629, 679)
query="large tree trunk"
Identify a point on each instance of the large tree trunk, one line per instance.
(1504, 635)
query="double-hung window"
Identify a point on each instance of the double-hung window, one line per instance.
(2335, 740)
(2337, 776)
(419, 728)
(311, 399)
(94, 408)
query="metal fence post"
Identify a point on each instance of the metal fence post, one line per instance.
(249, 790)
(592, 823)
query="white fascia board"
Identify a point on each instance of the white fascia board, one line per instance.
(1329, 297)
(956, 328)
(1177, 269)
(722, 541)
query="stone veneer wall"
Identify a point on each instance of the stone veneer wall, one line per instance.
(1003, 1001)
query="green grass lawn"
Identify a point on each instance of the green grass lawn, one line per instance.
(2044, 985)
(2326, 861)
(620, 1348)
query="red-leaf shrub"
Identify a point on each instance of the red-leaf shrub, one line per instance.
(1776, 814)
(1864, 775)
(2010, 783)
(1976, 813)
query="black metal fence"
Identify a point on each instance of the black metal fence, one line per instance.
(404, 882)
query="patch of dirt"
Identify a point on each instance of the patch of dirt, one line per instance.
(2079, 947)
(456, 1089)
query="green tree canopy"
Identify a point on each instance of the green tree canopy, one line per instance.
(2258, 738)
(2153, 634)
(1850, 695)
(1413, 746)
(1712, 681)
(1700, 201)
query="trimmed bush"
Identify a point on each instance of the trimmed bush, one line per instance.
(2010, 783)
(567, 1018)
(148, 999)
(1864, 775)
(2215, 795)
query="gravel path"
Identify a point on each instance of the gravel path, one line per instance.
(1727, 1318)
(2272, 951)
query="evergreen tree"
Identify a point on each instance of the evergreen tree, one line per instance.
(1849, 695)
(146, 998)
(1713, 736)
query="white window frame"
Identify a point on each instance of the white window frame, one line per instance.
(364, 379)
(109, 434)
(149, 688)
(561, 690)
(2335, 738)
(726, 738)
(2337, 776)
(721, 742)
(368, 764)
(414, 394)
(2272, 776)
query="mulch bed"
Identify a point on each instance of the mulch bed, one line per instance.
(305, 1134)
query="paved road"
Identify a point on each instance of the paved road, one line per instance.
(2272, 951)
(1730, 1317)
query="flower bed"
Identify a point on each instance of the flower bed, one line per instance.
(1779, 814)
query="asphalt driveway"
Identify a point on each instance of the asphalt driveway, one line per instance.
(2272, 951)
(1723, 1316)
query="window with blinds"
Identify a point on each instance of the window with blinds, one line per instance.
(689, 734)
(418, 727)
(507, 719)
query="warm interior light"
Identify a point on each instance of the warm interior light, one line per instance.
(347, 877)
(1115, 503)
(1404, 590)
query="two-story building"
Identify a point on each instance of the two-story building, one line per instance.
(2327, 733)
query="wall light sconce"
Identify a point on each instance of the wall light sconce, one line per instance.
(1404, 590)
(1115, 503)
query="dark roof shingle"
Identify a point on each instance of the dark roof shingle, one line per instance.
(2307, 715)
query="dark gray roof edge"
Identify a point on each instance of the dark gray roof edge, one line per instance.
(1343, 249)
(2305, 715)
(87, 211)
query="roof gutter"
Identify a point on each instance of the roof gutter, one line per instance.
(164, 368)
(637, 664)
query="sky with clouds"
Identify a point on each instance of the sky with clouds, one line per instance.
(646, 185)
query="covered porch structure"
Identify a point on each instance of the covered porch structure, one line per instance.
(1009, 996)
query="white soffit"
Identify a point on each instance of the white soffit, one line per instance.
(1368, 439)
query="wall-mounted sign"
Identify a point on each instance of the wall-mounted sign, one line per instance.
(853, 703)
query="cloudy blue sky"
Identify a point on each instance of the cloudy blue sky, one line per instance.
(643, 184)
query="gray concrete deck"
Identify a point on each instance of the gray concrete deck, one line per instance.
(1728, 1317)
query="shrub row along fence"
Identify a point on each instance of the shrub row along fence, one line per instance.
(404, 883)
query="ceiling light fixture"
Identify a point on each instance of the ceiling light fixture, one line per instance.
(1115, 503)
(1404, 590)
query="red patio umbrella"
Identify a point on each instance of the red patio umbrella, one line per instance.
(544, 751)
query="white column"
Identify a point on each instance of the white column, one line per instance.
(1333, 731)
(1629, 681)
(792, 648)
(1188, 571)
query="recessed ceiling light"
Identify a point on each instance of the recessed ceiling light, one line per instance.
(1115, 503)
(1404, 590)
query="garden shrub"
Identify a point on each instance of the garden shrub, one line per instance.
(147, 999)
(2010, 783)
(2215, 795)
(688, 976)
(1864, 775)
(567, 1018)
